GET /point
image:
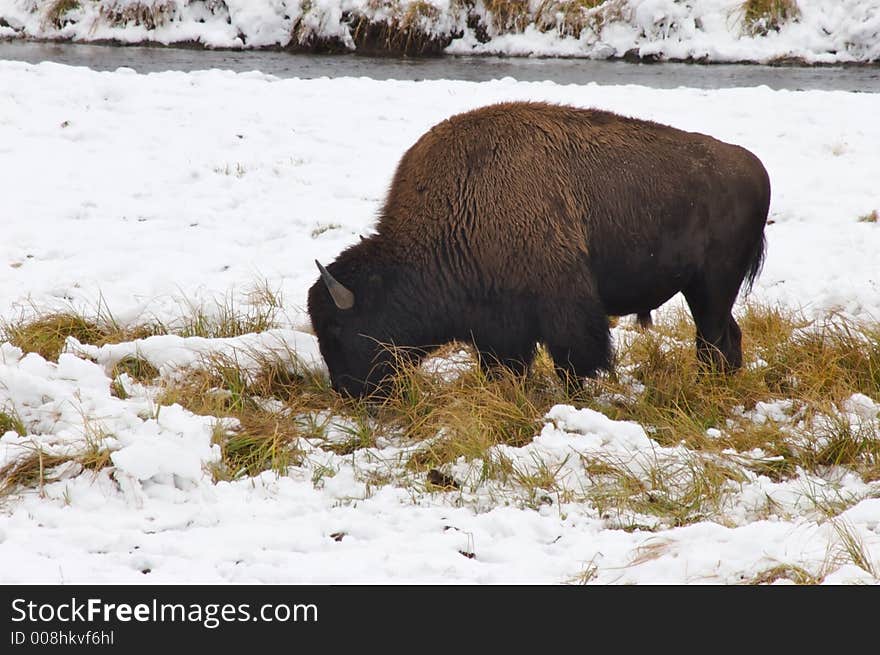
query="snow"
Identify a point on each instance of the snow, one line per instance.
(131, 192)
(170, 353)
(824, 31)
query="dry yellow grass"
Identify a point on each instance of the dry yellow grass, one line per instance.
(763, 16)
(788, 572)
(44, 333)
(37, 468)
(813, 367)
(57, 10)
(508, 15)
(390, 27)
(10, 420)
(264, 414)
(572, 17)
(270, 410)
(149, 14)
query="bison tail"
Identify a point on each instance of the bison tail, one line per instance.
(756, 262)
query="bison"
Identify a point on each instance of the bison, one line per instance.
(525, 222)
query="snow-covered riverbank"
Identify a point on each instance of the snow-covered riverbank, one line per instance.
(808, 31)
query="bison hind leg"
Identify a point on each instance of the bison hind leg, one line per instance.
(722, 351)
(725, 356)
(718, 336)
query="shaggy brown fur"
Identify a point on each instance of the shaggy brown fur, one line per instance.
(525, 222)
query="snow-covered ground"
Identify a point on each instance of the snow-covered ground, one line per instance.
(820, 31)
(138, 191)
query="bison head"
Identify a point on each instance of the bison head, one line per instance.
(349, 312)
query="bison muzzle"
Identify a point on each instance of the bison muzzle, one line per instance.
(523, 223)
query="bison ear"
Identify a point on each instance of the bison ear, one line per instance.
(342, 297)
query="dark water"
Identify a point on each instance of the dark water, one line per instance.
(564, 71)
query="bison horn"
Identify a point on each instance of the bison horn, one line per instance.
(343, 298)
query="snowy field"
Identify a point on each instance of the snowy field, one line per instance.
(143, 192)
(819, 31)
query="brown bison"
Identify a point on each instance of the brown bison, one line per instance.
(522, 222)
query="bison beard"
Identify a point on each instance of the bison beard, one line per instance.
(525, 223)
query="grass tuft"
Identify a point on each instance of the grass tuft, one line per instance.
(38, 468)
(763, 16)
(262, 441)
(28, 471)
(150, 15)
(262, 414)
(391, 28)
(787, 572)
(812, 367)
(464, 417)
(852, 549)
(258, 311)
(668, 491)
(508, 16)
(11, 421)
(572, 17)
(46, 334)
(57, 11)
(136, 368)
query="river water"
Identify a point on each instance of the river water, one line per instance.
(563, 71)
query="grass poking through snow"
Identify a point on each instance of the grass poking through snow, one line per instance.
(36, 467)
(763, 16)
(258, 310)
(463, 431)
(57, 10)
(46, 334)
(262, 414)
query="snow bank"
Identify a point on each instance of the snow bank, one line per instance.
(821, 31)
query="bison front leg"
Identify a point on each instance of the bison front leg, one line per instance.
(494, 363)
(576, 334)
